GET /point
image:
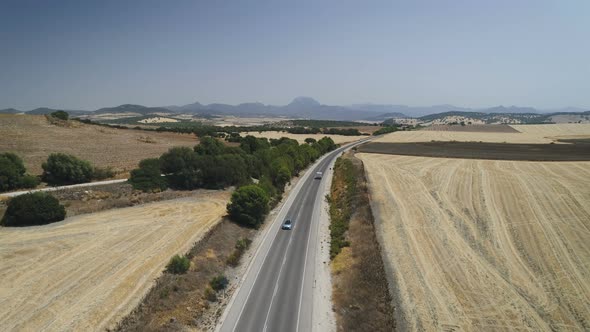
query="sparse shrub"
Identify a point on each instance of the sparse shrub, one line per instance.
(241, 245)
(178, 264)
(219, 282)
(33, 209)
(102, 173)
(210, 294)
(164, 293)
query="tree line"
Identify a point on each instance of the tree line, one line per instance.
(259, 167)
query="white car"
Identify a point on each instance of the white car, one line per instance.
(318, 175)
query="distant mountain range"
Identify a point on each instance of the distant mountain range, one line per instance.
(307, 107)
(130, 108)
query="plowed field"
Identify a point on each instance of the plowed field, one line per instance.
(89, 271)
(484, 245)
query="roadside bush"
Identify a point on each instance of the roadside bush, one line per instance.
(33, 209)
(248, 205)
(210, 294)
(28, 181)
(218, 283)
(241, 245)
(12, 173)
(62, 115)
(178, 264)
(63, 169)
(102, 173)
(341, 204)
(148, 176)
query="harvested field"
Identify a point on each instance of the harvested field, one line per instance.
(476, 128)
(33, 138)
(338, 139)
(363, 129)
(550, 130)
(528, 134)
(579, 151)
(89, 271)
(484, 245)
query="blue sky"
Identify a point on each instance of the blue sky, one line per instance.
(86, 55)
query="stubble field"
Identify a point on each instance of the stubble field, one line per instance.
(89, 271)
(530, 134)
(484, 245)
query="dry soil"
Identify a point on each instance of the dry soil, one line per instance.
(33, 138)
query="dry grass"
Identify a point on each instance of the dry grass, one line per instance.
(361, 300)
(484, 245)
(527, 134)
(33, 138)
(338, 139)
(89, 271)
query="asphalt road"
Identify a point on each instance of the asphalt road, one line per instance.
(277, 292)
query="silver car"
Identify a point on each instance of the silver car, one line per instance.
(287, 224)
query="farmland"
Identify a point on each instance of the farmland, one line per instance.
(579, 150)
(89, 271)
(484, 245)
(33, 138)
(526, 134)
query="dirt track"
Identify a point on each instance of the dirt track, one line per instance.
(89, 271)
(484, 245)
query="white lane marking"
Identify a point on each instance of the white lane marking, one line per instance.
(274, 293)
(260, 248)
(303, 281)
(307, 245)
(295, 193)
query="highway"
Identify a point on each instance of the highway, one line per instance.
(276, 294)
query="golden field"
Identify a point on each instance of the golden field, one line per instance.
(478, 245)
(89, 271)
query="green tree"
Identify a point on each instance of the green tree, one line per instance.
(248, 205)
(209, 146)
(251, 144)
(178, 159)
(33, 209)
(12, 173)
(310, 140)
(62, 115)
(62, 168)
(148, 176)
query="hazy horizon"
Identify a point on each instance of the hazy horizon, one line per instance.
(74, 55)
